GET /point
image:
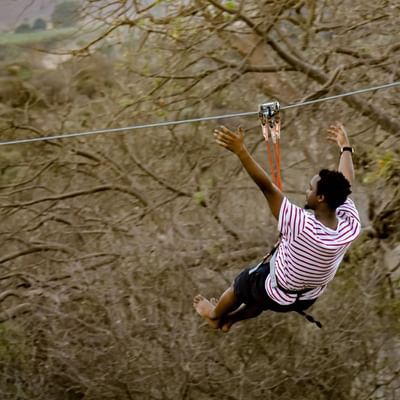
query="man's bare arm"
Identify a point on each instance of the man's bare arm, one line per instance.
(337, 133)
(235, 143)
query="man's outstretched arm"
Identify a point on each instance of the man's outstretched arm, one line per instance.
(235, 143)
(337, 133)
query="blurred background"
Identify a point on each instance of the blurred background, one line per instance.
(106, 239)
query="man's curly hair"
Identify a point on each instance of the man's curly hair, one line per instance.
(334, 187)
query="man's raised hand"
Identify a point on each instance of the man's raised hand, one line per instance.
(233, 141)
(337, 133)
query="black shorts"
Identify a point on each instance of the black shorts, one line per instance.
(249, 288)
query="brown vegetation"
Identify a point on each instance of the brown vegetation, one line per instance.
(106, 239)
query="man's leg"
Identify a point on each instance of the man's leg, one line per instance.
(213, 314)
(246, 311)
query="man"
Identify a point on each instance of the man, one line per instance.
(312, 244)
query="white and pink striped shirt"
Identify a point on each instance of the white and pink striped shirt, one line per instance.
(310, 253)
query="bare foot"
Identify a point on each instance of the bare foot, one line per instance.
(226, 326)
(204, 308)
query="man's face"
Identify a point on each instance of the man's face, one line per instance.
(311, 193)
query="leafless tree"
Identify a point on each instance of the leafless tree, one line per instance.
(106, 239)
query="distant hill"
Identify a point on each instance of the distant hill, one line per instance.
(14, 12)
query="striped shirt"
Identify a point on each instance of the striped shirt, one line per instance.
(310, 253)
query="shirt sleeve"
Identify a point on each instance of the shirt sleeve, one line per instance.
(349, 213)
(292, 220)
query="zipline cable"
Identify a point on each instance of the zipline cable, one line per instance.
(188, 121)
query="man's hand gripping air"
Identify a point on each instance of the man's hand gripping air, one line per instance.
(234, 142)
(231, 141)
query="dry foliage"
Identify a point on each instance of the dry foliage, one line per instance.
(106, 239)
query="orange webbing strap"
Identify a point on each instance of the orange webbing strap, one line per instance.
(275, 136)
(271, 162)
(277, 150)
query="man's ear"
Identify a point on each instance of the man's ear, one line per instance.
(320, 198)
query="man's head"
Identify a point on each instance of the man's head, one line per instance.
(329, 187)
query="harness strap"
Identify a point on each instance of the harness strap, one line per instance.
(275, 283)
(272, 274)
(310, 318)
(277, 149)
(271, 163)
(273, 125)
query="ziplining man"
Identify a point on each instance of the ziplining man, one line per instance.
(311, 247)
